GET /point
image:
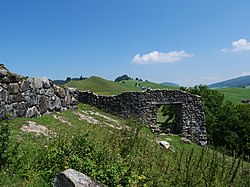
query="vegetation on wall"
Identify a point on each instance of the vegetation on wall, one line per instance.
(228, 124)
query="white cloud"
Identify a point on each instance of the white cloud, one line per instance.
(239, 45)
(160, 57)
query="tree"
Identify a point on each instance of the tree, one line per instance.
(228, 125)
(122, 78)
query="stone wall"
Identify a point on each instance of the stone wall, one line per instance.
(32, 97)
(143, 106)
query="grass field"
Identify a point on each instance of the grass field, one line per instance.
(113, 151)
(106, 87)
(235, 94)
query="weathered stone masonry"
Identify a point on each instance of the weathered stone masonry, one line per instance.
(144, 105)
(32, 97)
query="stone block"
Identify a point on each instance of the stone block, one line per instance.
(24, 86)
(13, 88)
(73, 178)
(43, 104)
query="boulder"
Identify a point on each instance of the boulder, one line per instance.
(185, 140)
(16, 98)
(164, 144)
(31, 100)
(61, 93)
(43, 104)
(20, 109)
(4, 95)
(37, 83)
(73, 178)
(13, 88)
(13, 78)
(46, 82)
(3, 72)
(24, 86)
(49, 92)
(5, 80)
(35, 128)
(57, 104)
(32, 112)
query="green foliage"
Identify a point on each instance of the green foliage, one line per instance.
(228, 124)
(4, 143)
(125, 157)
(122, 78)
(168, 114)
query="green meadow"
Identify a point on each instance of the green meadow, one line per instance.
(235, 94)
(111, 150)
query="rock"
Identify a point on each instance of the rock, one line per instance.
(72, 90)
(46, 82)
(32, 112)
(61, 93)
(21, 109)
(31, 100)
(13, 78)
(37, 83)
(3, 72)
(16, 98)
(5, 80)
(73, 178)
(43, 104)
(164, 144)
(24, 86)
(9, 110)
(49, 92)
(57, 104)
(5, 86)
(185, 140)
(4, 95)
(13, 88)
(74, 101)
(33, 127)
(42, 92)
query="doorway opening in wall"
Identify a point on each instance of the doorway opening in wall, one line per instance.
(169, 117)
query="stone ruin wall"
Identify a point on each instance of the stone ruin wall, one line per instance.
(143, 106)
(31, 97)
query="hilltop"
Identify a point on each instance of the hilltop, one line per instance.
(106, 87)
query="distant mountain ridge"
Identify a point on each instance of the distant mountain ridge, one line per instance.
(235, 82)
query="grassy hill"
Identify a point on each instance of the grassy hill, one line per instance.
(131, 84)
(106, 87)
(98, 85)
(236, 82)
(111, 150)
(236, 94)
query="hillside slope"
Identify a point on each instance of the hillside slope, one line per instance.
(236, 82)
(110, 150)
(106, 87)
(235, 94)
(98, 85)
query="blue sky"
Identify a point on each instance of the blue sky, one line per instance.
(186, 42)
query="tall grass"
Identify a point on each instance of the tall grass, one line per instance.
(127, 157)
